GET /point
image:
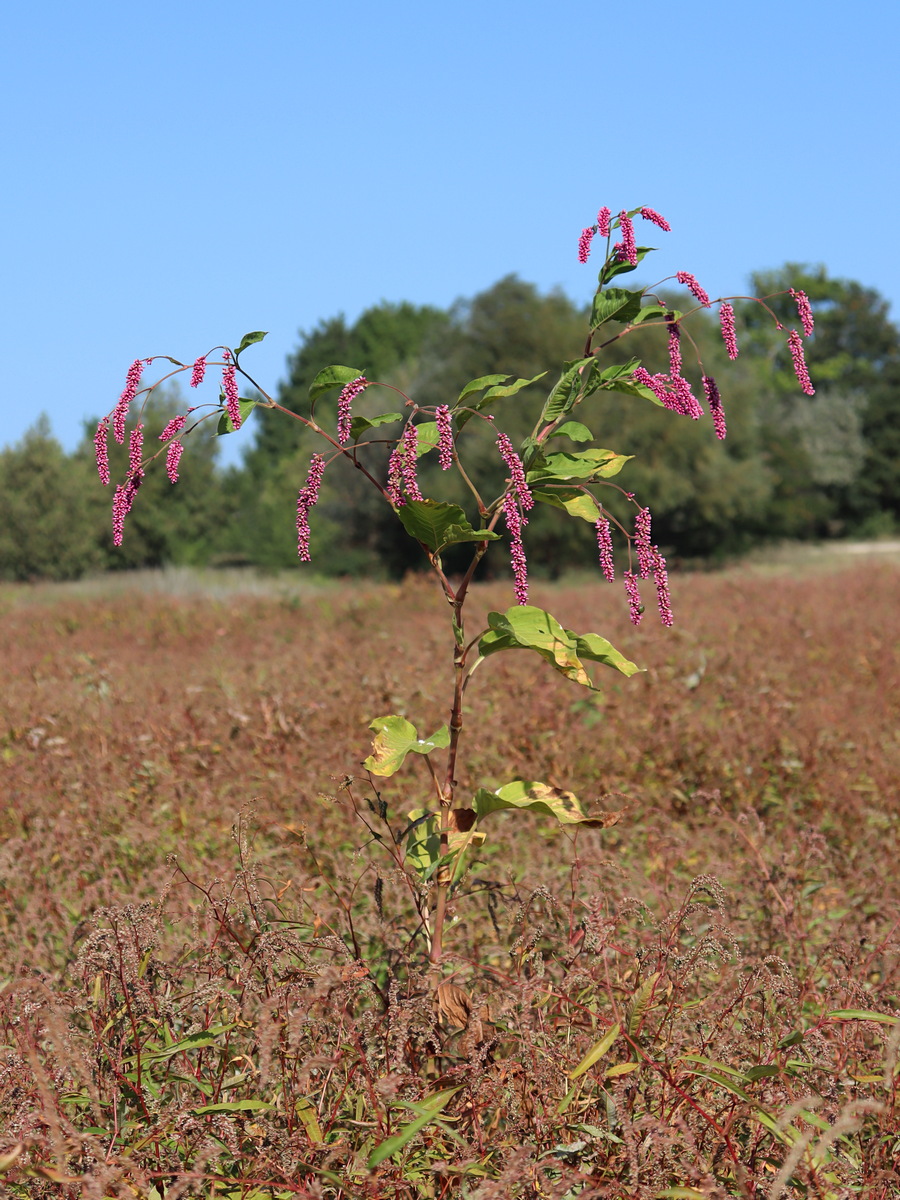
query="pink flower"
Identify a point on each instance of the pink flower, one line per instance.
(661, 579)
(514, 523)
(306, 498)
(120, 412)
(230, 388)
(804, 310)
(649, 215)
(174, 426)
(395, 477)
(656, 384)
(629, 246)
(714, 400)
(632, 591)
(174, 452)
(584, 243)
(346, 398)
(699, 293)
(121, 506)
(410, 444)
(518, 486)
(726, 320)
(642, 542)
(605, 547)
(101, 451)
(135, 451)
(674, 348)
(603, 222)
(445, 436)
(795, 345)
(198, 371)
(684, 400)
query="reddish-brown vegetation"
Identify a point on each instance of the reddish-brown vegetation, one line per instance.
(748, 893)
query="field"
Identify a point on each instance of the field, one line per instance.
(212, 978)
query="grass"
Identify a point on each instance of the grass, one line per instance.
(213, 977)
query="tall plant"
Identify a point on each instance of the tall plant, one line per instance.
(560, 463)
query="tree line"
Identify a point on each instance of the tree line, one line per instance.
(792, 467)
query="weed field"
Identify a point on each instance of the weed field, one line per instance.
(213, 982)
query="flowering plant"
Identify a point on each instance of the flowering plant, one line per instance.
(575, 481)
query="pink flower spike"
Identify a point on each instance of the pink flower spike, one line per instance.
(445, 436)
(632, 591)
(345, 400)
(649, 215)
(603, 217)
(804, 311)
(584, 243)
(605, 547)
(514, 523)
(135, 451)
(684, 400)
(726, 320)
(656, 384)
(674, 348)
(101, 450)
(795, 345)
(121, 505)
(198, 371)
(410, 444)
(699, 293)
(230, 388)
(714, 400)
(395, 477)
(642, 542)
(120, 412)
(661, 579)
(306, 498)
(174, 452)
(174, 426)
(629, 246)
(518, 486)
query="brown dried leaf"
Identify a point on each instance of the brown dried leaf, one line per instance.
(453, 1005)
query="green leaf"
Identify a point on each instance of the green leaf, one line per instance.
(331, 377)
(232, 1106)
(248, 340)
(567, 389)
(615, 304)
(634, 389)
(194, 1041)
(538, 797)
(620, 370)
(612, 267)
(574, 430)
(764, 1071)
(525, 627)
(496, 392)
(428, 1109)
(575, 502)
(861, 1014)
(395, 738)
(596, 1052)
(579, 464)
(427, 437)
(650, 312)
(478, 385)
(359, 425)
(225, 423)
(438, 524)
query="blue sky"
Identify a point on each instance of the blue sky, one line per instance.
(179, 174)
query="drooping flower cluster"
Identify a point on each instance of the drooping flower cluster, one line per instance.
(698, 292)
(515, 522)
(445, 436)
(642, 543)
(101, 451)
(518, 486)
(795, 345)
(120, 412)
(726, 320)
(198, 371)
(673, 392)
(401, 481)
(126, 492)
(661, 579)
(605, 548)
(633, 592)
(714, 400)
(584, 243)
(603, 218)
(345, 400)
(628, 252)
(174, 426)
(230, 388)
(674, 348)
(174, 452)
(306, 498)
(804, 310)
(649, 215)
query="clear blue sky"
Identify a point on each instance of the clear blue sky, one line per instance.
(178, 174)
